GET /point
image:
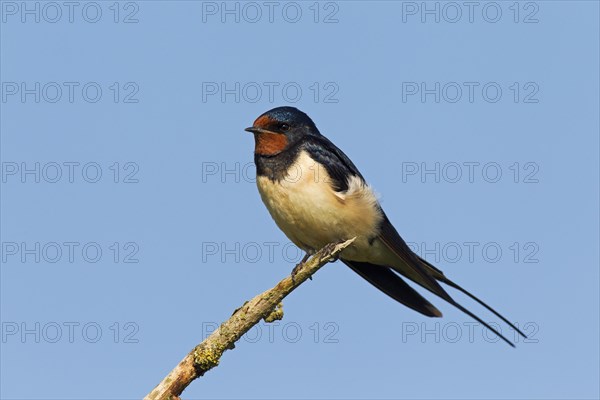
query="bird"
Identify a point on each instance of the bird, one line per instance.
(317, 196)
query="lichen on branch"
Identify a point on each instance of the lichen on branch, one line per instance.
(266, 306)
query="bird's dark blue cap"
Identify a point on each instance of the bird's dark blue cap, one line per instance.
(289, 115)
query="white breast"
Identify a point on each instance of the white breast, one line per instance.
(312, 214)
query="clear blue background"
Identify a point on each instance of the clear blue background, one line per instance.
(176, 210)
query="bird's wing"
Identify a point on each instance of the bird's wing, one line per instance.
(339, 167)
(386, 280)
(410, 266)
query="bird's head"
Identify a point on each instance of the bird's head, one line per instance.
(279, 128)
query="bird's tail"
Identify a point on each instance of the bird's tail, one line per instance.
(439, 276)
(388, 281)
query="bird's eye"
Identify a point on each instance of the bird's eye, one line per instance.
(285, 127)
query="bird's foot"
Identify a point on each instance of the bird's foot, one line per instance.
(298, 267)
(329, 249)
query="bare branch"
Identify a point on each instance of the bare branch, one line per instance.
(207, 354)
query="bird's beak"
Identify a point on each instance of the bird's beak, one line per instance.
(254, 129)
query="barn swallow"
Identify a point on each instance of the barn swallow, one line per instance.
(317, 196)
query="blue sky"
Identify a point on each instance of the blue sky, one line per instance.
(131, 224)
